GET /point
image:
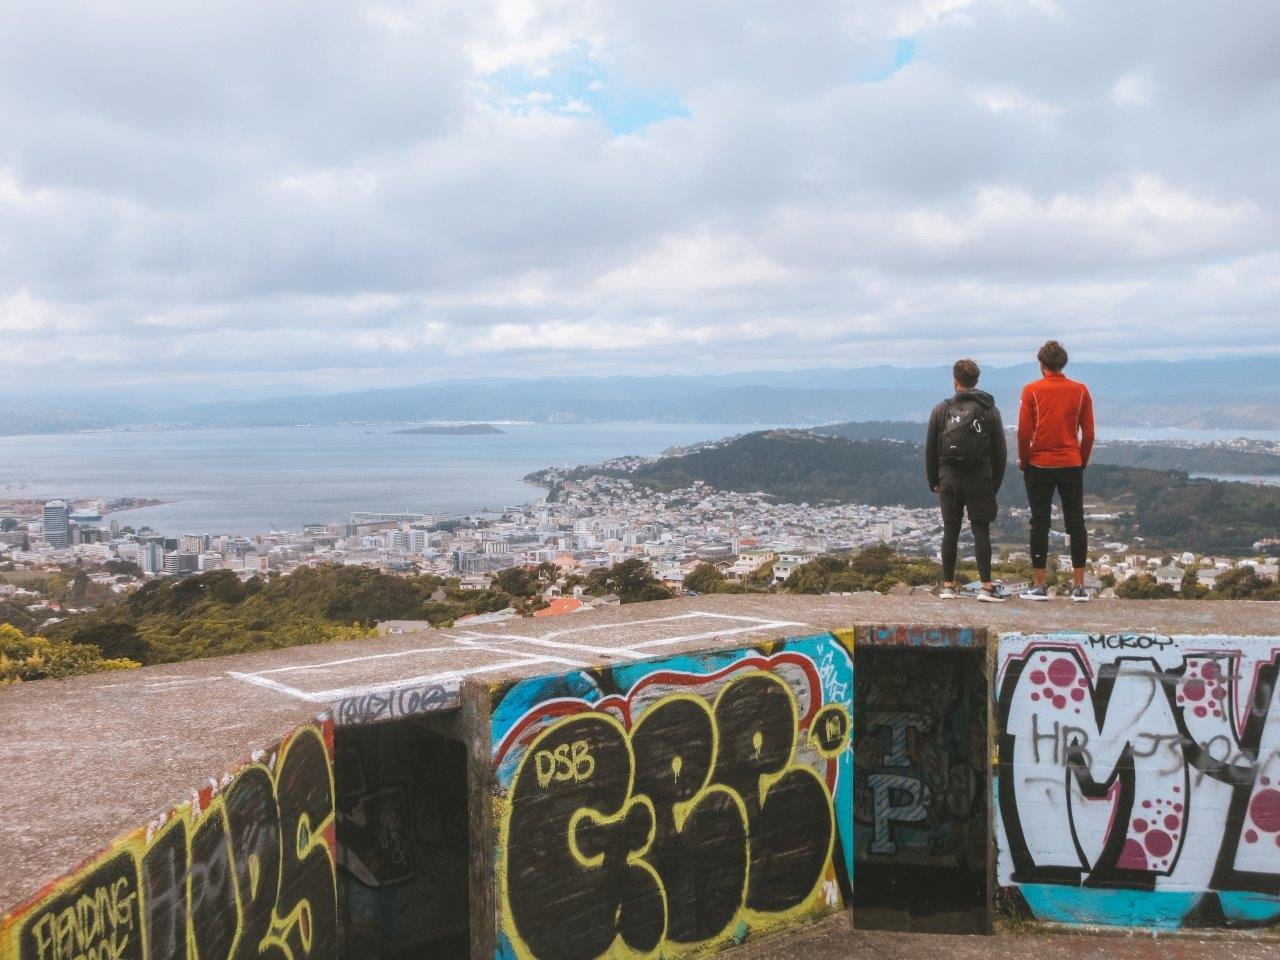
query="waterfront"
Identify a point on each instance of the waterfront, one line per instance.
(255, 479)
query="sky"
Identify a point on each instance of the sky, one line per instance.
(240, 198)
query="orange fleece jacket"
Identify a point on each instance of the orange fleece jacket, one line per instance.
(1055, 423)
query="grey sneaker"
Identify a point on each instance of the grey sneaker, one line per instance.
(992, 594)
(1080, 595)
(1035, 593)
(947, 593)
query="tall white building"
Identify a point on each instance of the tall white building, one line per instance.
(56, 526)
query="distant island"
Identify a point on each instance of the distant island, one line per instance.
(453, 429)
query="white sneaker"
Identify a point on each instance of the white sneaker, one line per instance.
(947, 593)
(1035, 593)
(1080, 595)
(992, 594)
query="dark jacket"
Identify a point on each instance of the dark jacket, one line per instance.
(997, 459)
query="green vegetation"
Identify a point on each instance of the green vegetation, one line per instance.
(37, 658)
(215, 613)
(1244, 583)
(877, 568)
(707, 578)
(800, 466)
(1144, 587)
(631, 580)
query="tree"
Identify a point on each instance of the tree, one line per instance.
(1243, 583)
(1190, 589)
(815, 576)
(705, 578)
(112, 638)
(1144, 587)
(123, 568)
(518, 581)
(631, 580)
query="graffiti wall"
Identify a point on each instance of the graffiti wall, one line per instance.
(1138, 779)
(402, 840)
(242, 870)
(673, 806)
(921, 736)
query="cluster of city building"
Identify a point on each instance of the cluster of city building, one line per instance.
(591, 522)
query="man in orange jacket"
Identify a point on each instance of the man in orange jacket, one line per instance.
(1055, 438)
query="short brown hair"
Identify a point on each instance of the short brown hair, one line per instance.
(1053, 355)
(966, 373)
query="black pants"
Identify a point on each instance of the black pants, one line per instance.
(977, 496)
(1069, 483)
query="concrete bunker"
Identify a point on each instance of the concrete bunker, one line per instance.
(402, 835)
(921, 823)
(414, 815)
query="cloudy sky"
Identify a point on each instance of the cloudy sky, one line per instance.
(268, 194)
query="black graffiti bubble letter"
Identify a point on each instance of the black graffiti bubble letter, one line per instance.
(254, 822)
(789, 817)
(702, 857)
(572, 824)
(307, 907)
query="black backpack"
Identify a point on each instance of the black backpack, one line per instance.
(966, 433)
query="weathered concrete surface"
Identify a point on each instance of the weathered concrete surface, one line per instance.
(88, 758)
(837, 938)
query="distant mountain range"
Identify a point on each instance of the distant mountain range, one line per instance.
(1230, 394)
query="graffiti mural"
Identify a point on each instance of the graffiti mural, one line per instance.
(920, 756)
(673, 805)
(1138, 778)
(402, 838)
(243, 870)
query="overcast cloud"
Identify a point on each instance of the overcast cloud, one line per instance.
(337, 194)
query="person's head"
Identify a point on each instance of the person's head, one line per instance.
(1052, 357)
(965, 373)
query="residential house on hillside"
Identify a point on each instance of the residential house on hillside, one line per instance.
(1169, 576)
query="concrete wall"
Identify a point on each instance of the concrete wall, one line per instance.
(244, 868)
(676, 805)
(1138, 779)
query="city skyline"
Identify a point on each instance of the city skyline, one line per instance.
(399, 192)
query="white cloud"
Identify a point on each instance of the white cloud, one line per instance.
(1131, 90)
(346, 188)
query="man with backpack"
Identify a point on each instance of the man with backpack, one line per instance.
(965, 459)
(1055, 438)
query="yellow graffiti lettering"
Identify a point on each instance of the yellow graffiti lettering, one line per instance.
(568, 761)
(247, 896)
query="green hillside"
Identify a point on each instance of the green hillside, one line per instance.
(1165, 506)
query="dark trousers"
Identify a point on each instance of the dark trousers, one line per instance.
(976, 496)
(1041, 483)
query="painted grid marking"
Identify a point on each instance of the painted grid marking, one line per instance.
(473, 640)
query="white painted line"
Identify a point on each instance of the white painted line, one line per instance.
(364, 659)
(634, 623)
(717, 634)
(260, 681)
(543, 642)
(547, 658)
